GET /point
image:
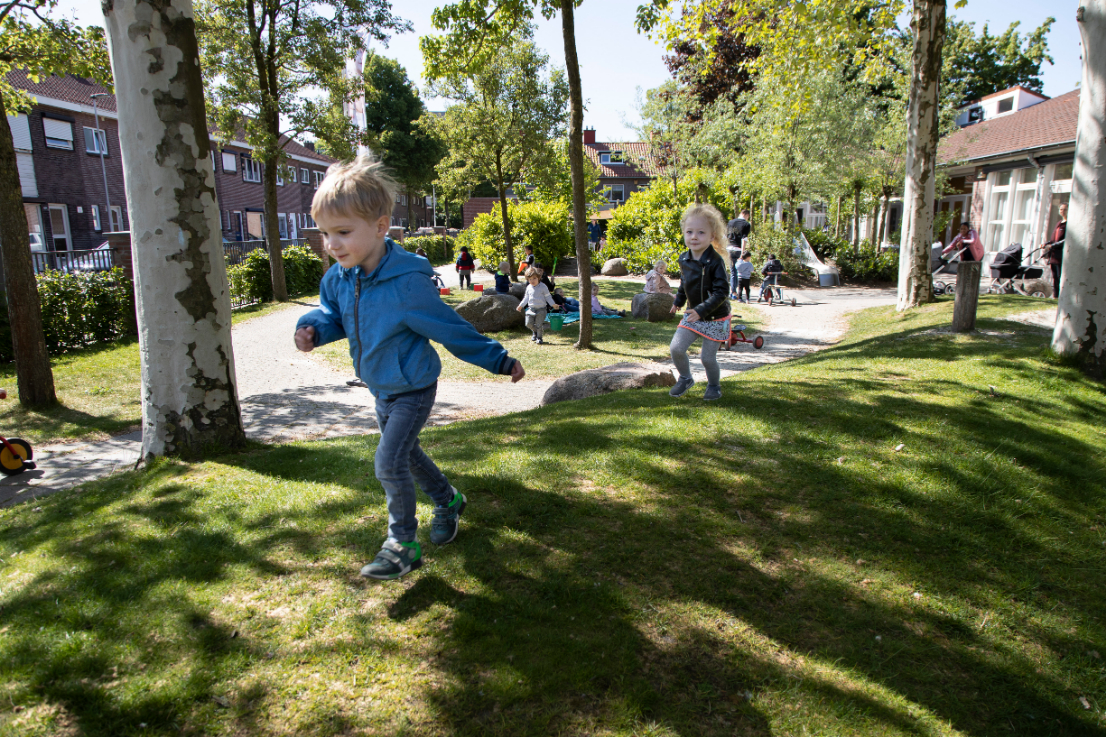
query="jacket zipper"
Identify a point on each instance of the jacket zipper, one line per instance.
(356, 320)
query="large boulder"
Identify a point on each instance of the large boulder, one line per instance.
(615, 267)
(492, 312)
(652, 307)
(518, 290)
(594, 382)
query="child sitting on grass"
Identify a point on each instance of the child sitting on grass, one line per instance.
(536, 302)
(565, 303)
(703, 283)
(383, 299)
(597, 308)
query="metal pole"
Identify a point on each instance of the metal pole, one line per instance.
(434, 194)
(101, 144)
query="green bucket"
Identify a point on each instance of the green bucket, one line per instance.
(556, 322)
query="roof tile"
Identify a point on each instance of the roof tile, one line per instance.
(1048, 123)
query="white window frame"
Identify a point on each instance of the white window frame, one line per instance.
(96, 218)
(280, 176)
(282, 225)
(117, 219)
(68, 234)
(611, 157)
(236, 218)
(1005, 219)
(612, 188)
(21, 132)
(318, 178)
(305, 176)
(251, 170)
(232, 160)
(53, 141)
(214, 166)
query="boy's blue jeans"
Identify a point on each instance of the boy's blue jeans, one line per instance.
(400, 461)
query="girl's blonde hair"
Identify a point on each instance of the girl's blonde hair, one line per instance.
(660, 262)
(715, 224)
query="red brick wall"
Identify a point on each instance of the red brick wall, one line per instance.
(477, 206)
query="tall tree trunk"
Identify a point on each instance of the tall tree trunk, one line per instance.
(883, 234)
(189, 402)
(837, 220)
(576, 164)
(919, 190)
(856, 218)
(1081, 313)
(410, 220)
(272, 232)
(34, 378)
(873, 232)
(506, 220)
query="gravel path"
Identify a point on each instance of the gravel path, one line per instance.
(286, 395)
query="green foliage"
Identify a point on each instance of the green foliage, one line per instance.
(543, 225)
(867, 263)
(251, 280)
(978, 66)
(553, 182)
(78, 310)
(647, 227)
(825, 245)
(768, 240)
(433, 245)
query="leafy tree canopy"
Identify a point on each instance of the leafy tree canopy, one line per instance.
(985, 64)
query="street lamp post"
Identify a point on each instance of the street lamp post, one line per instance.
(101, 144)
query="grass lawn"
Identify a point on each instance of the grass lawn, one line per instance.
(99, 390)
(618, 340)
(863, 541)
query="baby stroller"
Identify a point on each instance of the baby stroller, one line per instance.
(1008, 276)
(939, 285)
(438, 281)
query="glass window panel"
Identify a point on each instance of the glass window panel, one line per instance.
(1002, 179)
(998, 237)
(1063, 171)
(1027, 175)
(1023, 209)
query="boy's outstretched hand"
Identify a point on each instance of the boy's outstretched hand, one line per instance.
(305, 339)
(517, 372)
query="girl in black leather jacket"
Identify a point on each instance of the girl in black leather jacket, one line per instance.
(705, 289)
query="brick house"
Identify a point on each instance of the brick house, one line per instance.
(624, 168)
(1012, 170)
(61, 171)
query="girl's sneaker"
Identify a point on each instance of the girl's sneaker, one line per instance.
(682, 385)
(712, 393)
(395, 559)
(443, 526)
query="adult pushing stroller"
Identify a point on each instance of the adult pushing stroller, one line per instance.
(1009, 276)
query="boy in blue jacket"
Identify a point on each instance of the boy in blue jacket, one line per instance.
(383, 299)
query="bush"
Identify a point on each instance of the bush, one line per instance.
(647, 227)
(824, 244)
(78, 310)
(432, 244)
(252, 281)
(546, 226)
(767, 239)
(869, 264)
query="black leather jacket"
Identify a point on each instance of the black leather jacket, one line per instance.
(704, 285)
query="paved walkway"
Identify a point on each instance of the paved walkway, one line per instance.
(287, 395)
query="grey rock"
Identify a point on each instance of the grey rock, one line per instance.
(492, 312)
(518, 291)
(594, 382)
(652, 307)
(615, 267)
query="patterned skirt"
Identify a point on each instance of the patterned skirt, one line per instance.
(717, 330)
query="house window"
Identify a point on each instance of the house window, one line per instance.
(21, 132)
(280, 176)
(230, 163)
(95, 141)
(1010, 209)
(403, 200)
(616, 193)
(1063, 171)
(610, 157)
(236, 224)
(318, 178)
(59, 133)
(975, 115)
(282, 224)
(96, 217)
(1006, 104)
(305, 176)
(59, 227)
(251, 170)
(214, 164)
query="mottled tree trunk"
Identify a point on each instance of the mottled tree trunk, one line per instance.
(1081, 313)
(272, 233)
(856, 218)
(188, 383)
(576, 164)
(915, 279)
(34, 378)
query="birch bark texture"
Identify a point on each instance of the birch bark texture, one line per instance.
(919, 190)
(1081, 310)
(188, 385)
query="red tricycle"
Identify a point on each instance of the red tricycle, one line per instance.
(737, 335)
(15, 455)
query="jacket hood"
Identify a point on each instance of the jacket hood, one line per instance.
(395, 263)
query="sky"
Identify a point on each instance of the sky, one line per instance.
(616, 62)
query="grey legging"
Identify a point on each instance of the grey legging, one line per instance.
(681, 341)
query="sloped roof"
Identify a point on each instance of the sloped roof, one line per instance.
(639, 160)
(77, 90)
(1049, 123)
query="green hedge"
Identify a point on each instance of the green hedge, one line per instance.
(433, 245)
(251, 281)
(78, 310)
(647, 227)
(546, 226)
(868, 264)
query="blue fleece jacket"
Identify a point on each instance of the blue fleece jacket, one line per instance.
(390, 316)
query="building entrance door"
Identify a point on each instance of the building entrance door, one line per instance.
(254, 231)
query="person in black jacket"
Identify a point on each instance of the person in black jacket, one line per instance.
(705, 289)
(737, 230)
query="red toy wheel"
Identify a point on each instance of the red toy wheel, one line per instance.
(758, 342)
(13, 463)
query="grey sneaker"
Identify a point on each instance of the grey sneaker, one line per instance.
(443, 527)
(682, 385)
(712, 393)
(395, 559)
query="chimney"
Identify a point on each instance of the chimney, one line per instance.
(589, 135)
(309, 145)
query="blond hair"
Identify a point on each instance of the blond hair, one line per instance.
(531, 272)
(660, 263)
(361, 187)
(715, 224)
